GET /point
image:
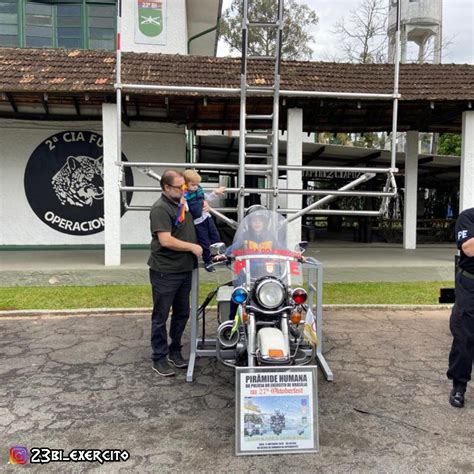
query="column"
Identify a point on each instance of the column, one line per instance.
(294, 156)
(411, 191)
(111, 191)
(466, 188)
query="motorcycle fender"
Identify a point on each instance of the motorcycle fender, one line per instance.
(271, 339)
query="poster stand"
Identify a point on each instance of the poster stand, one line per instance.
(276, 410)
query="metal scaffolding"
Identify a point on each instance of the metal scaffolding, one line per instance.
(268, 138)
(268, 142)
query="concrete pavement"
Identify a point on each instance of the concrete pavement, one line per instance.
(343, 261)
(86, 382)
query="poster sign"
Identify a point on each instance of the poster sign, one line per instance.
(150, 25)
(64, 182)
(276, 410)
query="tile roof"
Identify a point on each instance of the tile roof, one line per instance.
(56, 70)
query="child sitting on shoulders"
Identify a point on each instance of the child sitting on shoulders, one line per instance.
(206, 230)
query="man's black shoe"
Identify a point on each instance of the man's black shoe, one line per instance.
(163, 368)
(456, 398)
(209, 268)
(177, 360)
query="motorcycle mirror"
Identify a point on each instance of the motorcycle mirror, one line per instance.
(301, 246)
(218, 248)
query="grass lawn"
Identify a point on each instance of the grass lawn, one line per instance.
(138, 296)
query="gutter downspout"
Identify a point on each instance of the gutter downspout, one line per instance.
(190, 134)
(210, 30)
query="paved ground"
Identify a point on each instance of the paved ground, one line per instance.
(342, 261)
(85, 382)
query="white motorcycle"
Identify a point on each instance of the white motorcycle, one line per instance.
(264, 325)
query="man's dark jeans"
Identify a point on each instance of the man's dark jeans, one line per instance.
(170, 290)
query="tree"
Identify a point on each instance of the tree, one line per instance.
(363, 38)
(369, 140)
(297, 20)
(449, 144)
(334, 138)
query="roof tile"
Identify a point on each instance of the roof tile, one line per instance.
(35, 70)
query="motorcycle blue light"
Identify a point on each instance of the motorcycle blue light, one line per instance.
(239, 295)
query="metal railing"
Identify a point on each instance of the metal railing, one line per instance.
(329, 194)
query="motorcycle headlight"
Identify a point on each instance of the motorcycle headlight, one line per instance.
(270, 293)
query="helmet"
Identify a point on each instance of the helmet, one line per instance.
(256, 213)
(254, 208)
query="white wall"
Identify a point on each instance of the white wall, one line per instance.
(176, 29)
(19, 225)
(202, 15)
(466, 199)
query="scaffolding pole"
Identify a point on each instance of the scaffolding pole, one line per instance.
(327, 199)
(118, 85)
(396, 79)
(237, 91)
(256, 167)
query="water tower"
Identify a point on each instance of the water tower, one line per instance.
(420, 21)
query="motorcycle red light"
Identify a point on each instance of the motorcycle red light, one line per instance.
(299, 295)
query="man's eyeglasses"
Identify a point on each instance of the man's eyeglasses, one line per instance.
(175, 187)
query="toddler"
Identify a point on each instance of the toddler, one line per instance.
(206, 230)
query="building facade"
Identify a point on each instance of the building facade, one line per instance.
(57, 114)
(52, 171)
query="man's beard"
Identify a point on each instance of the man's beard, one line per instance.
(176, 199)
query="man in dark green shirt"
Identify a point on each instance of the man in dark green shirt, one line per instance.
(174, 253)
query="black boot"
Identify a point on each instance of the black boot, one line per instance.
(456, 397)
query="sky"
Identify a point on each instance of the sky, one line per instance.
(458, 28)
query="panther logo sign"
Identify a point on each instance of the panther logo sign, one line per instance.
(79, 181)
(64, 182)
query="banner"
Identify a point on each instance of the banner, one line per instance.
(276, 410)
(150, 23)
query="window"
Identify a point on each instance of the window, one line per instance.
(39, 25)
(101, 24)
(9, 23)
(70, 24)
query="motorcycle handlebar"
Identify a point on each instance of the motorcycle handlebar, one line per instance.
(218, 259)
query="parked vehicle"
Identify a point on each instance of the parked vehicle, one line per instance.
(264, 326)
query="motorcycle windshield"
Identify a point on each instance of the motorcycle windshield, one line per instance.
(260, 249)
